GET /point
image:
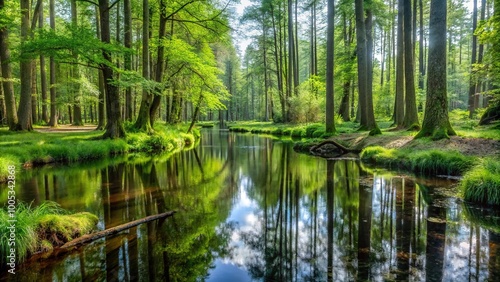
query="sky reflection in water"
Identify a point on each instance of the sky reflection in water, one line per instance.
(249, 208)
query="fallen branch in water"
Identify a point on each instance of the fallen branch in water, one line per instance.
(113, 230)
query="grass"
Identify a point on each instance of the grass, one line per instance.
(482, 183)
(42, 228)
(428, 162)
(36, 148)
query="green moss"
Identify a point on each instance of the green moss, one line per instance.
(59, 229)
(297, 132)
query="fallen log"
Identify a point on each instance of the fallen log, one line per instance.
(113, 230)
(343, 150)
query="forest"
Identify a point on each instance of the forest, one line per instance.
(172, 133)
(77, 62)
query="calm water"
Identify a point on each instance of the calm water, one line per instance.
(251, 209)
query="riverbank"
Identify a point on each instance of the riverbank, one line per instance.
(71, 145)
(473, 154)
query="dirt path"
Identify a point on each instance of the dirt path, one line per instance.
(66, 129)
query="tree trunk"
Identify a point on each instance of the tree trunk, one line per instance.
(43, 74)
(127, 24)
(52, 71)
(24, 110)
(160, 64)
(411, 116)
(77, 108)
(473, 81)
(330, 111)
(143, 122)
(421, 65)
(114, 125)
(8, 87)
(365, 102)
(436, 123)
(399, 108)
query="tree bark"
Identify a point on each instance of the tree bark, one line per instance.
(43, 74)
(143, 122)
(399, 108)
(114, 125)
(127, 25)
(411, 116)
(365, 100)
(8, 87)
(77, 108)
(24, 110)
(52, 72)
(330, 111)
(473, 81)
(436, 123)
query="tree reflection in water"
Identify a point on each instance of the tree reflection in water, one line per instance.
(251, 205)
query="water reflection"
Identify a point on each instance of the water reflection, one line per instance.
(249, 208)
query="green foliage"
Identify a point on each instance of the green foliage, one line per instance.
(482, 184)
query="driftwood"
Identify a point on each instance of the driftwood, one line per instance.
(113, 230)
(315, 150)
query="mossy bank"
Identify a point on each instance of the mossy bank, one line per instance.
(41, 229)
(36, 148)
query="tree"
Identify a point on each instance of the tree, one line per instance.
(127, 25)
(365, 99)
(411, 117)
(473, 81)
(330, 112)
(399, 111)
(24, 110)
(436, 123)
(114, 124)
(77, 109)
(52, 71)
(8, 87)
(43, 74)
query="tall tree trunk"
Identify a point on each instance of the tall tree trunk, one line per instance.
(473, 80)
(330, 111)
(160, 64)
(436, 123)
(344, 104)
(43, 74)
(365, 102)
(101, 111)
(421, 65)
(114, 125)
(8, 87)
(34, 98)
(24, 110)
(127, 24)
(77, 108)
(52, 71)
(399, 108)
(143, 121)
(411, 116)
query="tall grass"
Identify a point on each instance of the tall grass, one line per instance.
(32, 231)
(429, 162)
(482, 184)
